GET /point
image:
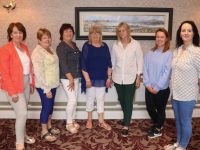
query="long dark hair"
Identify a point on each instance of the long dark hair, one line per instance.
(195, 40)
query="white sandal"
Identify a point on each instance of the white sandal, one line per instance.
(71, 128)
(180, 148)
(29, 139)
(171, 146)
(76, 125)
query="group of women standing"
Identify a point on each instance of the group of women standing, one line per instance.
(98, 68)
(183, 67)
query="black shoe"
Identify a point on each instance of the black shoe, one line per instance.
(120, 122)
(124, 132)
(151, 129)
(157, 132)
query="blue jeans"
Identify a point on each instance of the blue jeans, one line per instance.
(47, 105)
(183, 114)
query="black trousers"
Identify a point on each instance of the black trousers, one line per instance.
(156, 105)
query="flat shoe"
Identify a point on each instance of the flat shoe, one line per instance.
(71, 128)
(124, 132)
(48, 137)
(76, 125)
(180, 148)
(54, 130)
(105, 126)
(88, 125)
(29, 140)
(171, 146)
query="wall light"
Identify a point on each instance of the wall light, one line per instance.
(11, 4)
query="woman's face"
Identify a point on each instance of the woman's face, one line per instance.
(45, 41)
(68, 35)
(187, 33)
(95, 37)
(16, 35)
(160, 39)
(123, 33)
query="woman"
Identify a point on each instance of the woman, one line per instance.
(156, 74)
(127, 60)
(96, 68)
(185, 75)
(69, 56)
(46, 70)
(17, 78)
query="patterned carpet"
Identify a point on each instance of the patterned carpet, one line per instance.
(98, 138)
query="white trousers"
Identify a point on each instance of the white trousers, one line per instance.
(20, 108)
(72, 99)
(93, 93)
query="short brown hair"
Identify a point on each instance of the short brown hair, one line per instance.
(167, 43)
(65, 26)
(126, 26)
(19, 26)
(96, 29)
(43, 31)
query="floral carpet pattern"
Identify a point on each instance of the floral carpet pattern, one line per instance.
(98, 138)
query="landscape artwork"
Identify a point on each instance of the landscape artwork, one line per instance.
(142, 21)
(140, 24)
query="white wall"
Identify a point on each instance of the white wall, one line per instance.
(52, 13)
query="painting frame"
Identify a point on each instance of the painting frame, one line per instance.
(143, 20)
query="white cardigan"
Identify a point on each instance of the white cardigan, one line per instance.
(46, 69)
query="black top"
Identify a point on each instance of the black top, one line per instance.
(68, 60)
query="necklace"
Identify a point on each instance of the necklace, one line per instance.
(184, 47)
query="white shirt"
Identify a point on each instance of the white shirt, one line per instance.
(127, 62)
(185, 73)
(24, 60)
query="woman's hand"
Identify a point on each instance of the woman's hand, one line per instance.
(49, 94)
(108, 83)
(88, 84)
(15, 98)
(151, 90)
(199, 84)
(71, 85)
(137, 82)
(87, 79)
(154, 91)
(32, 89)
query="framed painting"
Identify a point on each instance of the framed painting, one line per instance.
(142, 21)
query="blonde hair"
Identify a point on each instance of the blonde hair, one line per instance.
(94, 29)
(43, 31)
(124, 25)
